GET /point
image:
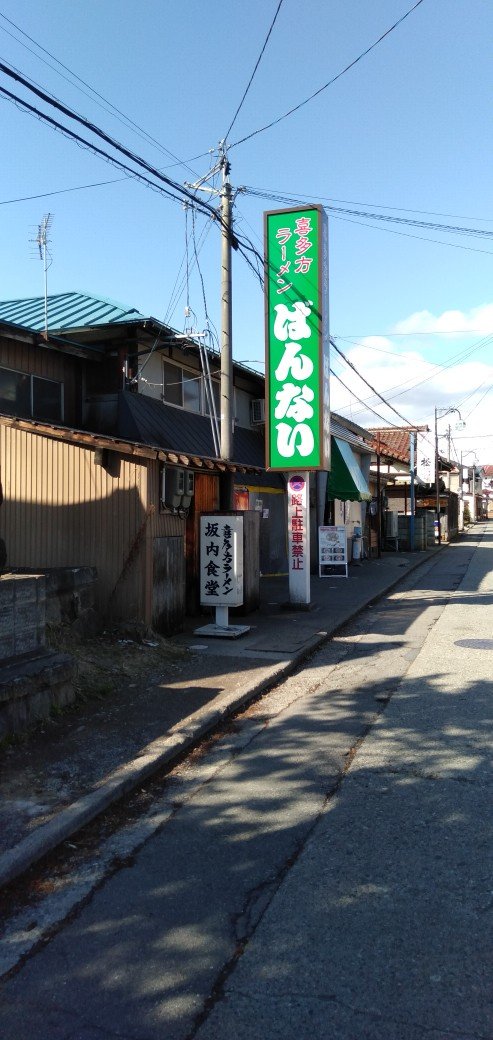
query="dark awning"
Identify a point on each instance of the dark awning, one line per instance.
(346, 481)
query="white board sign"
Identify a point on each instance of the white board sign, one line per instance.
(332, 552)
(221, 561)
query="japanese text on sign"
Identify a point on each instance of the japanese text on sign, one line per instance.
(297, 521)
(298, 404)
(221, 560)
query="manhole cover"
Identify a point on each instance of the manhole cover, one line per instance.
(475, 644)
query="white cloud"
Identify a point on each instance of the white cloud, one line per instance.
(415, 385)
(478, 319)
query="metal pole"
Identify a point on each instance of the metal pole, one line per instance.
(436, 479)
(412, 437)
(379, 502)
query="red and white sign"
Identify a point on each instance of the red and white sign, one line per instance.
(298, 538)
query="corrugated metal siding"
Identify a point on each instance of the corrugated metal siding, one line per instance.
(60, 509)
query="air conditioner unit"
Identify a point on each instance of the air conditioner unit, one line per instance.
(257, 411)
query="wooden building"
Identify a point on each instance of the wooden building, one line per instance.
(74, 497)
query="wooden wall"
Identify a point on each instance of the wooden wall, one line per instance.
(50, 364)
(62, 509)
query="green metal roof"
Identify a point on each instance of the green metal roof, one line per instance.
(71, 310)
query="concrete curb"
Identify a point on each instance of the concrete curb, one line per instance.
(167, 750)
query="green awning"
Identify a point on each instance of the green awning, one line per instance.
(345, 481)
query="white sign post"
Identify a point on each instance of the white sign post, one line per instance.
(299, 538)
(221, 572)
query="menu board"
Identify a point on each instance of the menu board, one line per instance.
(332, 552)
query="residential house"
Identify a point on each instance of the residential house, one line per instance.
(123, 385)
(392, 455)
(76, 494)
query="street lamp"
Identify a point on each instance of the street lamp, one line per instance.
(440, 413)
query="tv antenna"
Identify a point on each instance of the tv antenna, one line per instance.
(42, 241)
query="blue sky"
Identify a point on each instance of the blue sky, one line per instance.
(406, 132)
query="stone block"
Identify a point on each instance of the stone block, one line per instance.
(31, 688)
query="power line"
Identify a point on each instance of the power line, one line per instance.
(455, 229)
(353, 367)
(407, 234)
(83, 187)
(18, 78)
(89, 145)
(107, 106)
(404, 388)
(358, 341)
(334, 79)
(257, 63)
(374, 205)
(366, 407)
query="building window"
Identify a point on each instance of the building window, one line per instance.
(30, 397)
(192, 393)
(185, 390)
(47, 399)
(172, 384)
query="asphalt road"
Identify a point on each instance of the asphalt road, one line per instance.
(322, 870)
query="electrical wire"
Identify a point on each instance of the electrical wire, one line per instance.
(406, 387)
(18, 78)
(479, 402)
(334, 79)
(106, 105)
(257, 63)
(376, 392)
(177, 289)
(420, 238)
(366, 407)
(210, 325)
(84, 143)
(373, 205)
(370, 215)
(81, 187)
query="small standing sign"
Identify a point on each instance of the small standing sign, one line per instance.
(332, 552)
(221, 571)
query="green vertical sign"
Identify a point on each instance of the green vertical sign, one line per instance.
(297, 339)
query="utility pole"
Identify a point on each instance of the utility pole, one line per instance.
(441, 413)
(226, 332)
(226, 391)
(412, 469)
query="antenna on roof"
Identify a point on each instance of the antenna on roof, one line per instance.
(42, 241)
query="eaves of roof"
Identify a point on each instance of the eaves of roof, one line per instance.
(28, 335)
(125, 447)
(345, 434)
